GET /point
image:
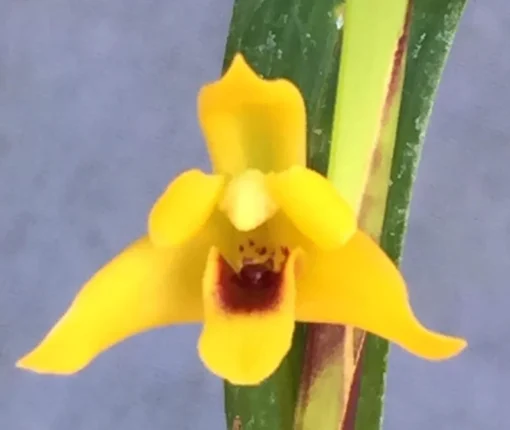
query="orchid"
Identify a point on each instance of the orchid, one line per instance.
(247, 250)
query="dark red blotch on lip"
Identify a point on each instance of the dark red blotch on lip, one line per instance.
(255, 288)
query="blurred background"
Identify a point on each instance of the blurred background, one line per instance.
(97, 113)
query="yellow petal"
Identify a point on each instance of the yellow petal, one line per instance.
(358, 285)
(142, 288)
(244, 339)
(246, 201)
(249, 122)
(313, 205)
(184, 207)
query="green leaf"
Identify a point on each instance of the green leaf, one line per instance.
(298, 40)
(433, 27)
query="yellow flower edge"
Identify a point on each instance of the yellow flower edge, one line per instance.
(248, 250)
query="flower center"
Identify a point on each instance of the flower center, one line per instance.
(246, 201)
(255, 287)
(257, 276)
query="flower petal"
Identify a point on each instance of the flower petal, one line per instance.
(245, 344)
(313, 205)
(358, 285)
(184, 207)
(142, 288)
(249, 122)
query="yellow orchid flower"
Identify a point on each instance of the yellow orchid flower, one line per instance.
(248, 250)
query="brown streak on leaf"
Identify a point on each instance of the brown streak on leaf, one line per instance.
(349, 421)
(398, 62)
(359, 337)
(365, 208)
(325, 341)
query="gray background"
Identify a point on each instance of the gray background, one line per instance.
(97, 113)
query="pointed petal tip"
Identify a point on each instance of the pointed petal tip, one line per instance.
(434, 346)
(239, 61)
(240, 70)
(22, 364)
(36, 362)
(447, 347)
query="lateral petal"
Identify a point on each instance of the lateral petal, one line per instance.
(358, 285)
(143, 287)
(313, 205)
